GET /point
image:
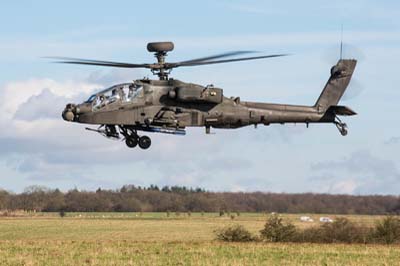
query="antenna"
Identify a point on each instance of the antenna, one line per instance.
(341, 43)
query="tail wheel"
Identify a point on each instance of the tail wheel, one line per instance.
(144, 142)
(342, 127)
(131, 142)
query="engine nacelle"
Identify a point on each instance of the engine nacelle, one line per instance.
(197, 94)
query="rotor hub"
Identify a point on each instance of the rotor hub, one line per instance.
(160, 50)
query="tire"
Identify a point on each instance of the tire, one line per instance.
(144, 142)
(131, 142)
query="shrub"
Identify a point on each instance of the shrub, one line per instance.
(235, 233)
(387, 231)
(221, 213)
(277, 231)
(62, 213)
(310, 235)
(342, 230)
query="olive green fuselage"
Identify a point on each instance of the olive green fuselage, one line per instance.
(159, 105)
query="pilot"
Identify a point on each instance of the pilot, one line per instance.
(123, 94)
(131, 92)
(99, 102)
(114, 95)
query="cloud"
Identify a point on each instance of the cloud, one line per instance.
(33, 135)
(46, 105)
(14, 94)
(392, 141)
(343, 10)
(360, 162)
(344, 187)
(359, 173)
(38, 144)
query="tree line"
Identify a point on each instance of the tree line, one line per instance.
(131, 198)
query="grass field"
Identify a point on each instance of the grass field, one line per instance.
(155, 239)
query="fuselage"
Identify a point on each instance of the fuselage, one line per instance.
(175, 104)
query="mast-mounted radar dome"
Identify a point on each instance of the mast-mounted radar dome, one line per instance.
(157, 47)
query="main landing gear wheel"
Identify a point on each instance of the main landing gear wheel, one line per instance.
(131, 142)
(144, 142)
(132, 139)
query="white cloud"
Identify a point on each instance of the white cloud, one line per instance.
(359, 173)
(15, 94)
(344, 187)
(46, 105)
(344, 10)
(392, 141)
(43, 147)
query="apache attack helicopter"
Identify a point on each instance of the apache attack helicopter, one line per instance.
(169, 106)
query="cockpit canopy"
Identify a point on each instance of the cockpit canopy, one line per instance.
(123, 93)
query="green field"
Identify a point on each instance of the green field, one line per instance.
(155, 239)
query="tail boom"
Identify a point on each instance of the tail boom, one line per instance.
(325, 109)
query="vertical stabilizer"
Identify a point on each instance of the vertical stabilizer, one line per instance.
(334, 89)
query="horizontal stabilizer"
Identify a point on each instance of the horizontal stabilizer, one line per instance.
(341, 110)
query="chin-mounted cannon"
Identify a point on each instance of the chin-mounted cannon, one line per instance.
(69, 112)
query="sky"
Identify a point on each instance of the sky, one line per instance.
(38, 148)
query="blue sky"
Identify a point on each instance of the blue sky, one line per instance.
(37, 147)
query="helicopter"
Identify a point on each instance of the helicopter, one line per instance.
(167, 105)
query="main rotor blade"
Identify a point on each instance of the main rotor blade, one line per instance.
(79, 61)
(226, 60)
(217, 56)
